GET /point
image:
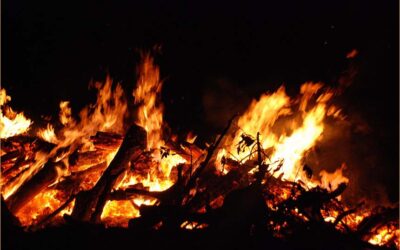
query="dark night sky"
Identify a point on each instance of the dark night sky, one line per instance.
(52, 49)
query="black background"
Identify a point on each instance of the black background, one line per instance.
(216, 56)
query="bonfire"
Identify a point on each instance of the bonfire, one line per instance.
(117, 166)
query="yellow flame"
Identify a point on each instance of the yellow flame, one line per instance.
(384, 235)
(150, 116)
(11, 123)
(48, 134)
(150, 111)
(292, 149)
(289, 148)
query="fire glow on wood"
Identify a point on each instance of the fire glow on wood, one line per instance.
(104, 168)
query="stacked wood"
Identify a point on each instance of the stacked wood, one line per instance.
(241, 196)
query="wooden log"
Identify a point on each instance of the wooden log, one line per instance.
(22, 142)
(89, 204)
(91, 158)
(106, 141)
(72, 183)
(46, 176)
(19, 166)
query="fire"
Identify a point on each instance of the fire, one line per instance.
(150, 116)
(11, 123)
(263, 115)
(287, 129)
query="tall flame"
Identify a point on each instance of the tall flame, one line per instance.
(288, 129)
(150, 111)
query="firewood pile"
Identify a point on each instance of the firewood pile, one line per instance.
(113, 179)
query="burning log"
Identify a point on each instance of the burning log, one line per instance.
(24, 144)
(89, 204)
(106, 141)
(89, 158)
(15, 171)
(246, 195)
(46, 176)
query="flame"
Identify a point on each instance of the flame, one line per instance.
(150, 117)
(384, 234)
(263, 114)
(11, 123)
(292, 149)
(48, 134)
(65, 113)
(288, 129)
(150, 111)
